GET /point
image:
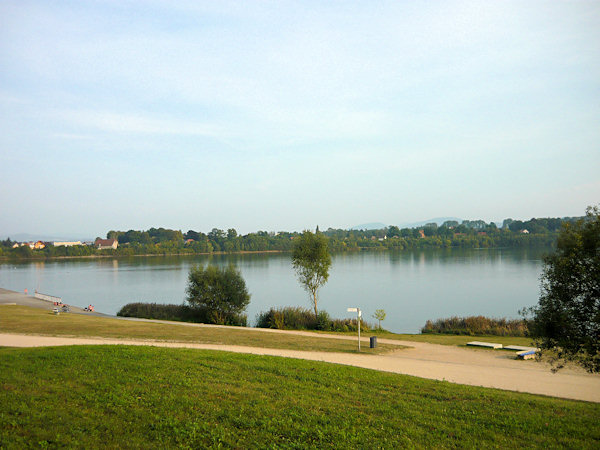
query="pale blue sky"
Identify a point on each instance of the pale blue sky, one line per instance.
(279, 115)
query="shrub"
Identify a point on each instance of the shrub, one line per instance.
(476, 325)
(289, 317)
(179, 313)
(297, 318)
(220, 291)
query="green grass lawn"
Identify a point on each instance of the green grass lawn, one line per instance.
(132, 397)
(23, 319)
(27, 320)
(443, 339)
(453, 339)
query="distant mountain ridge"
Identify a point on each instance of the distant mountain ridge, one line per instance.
(437, 220)
(380, 225)
(369, 226)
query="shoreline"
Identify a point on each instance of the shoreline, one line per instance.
(46, 258)
(4, 259)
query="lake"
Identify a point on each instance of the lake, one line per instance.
(411, 287)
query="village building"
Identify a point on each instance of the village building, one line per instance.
(32, 245)
(102, 244)
(39, 245)
(66, 243)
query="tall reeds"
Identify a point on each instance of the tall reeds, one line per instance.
(476, 325)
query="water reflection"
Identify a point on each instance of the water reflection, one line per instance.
(411, 286)
(466, 256)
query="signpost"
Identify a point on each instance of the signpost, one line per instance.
(358, 315)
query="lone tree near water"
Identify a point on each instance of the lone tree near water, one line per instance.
(221, 292)
(379, 315)
(311, 261)
(567, 317)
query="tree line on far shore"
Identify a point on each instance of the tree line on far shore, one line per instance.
(451, 234)
(564, 324)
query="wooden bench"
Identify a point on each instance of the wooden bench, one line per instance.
(484, 344)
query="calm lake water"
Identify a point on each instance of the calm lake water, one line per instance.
(412, 287)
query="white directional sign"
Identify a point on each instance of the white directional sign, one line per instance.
(359, 315)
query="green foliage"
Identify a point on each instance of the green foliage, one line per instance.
(221, 292)
(156, 311)
(476, 325)
(147, 397)
(288, 317)
(566, 320)
(23, 251)
(379, 316)
(542, 232)
(311, 261)
(180, 313)
(296, 318)
(468, 234)
(323, 321)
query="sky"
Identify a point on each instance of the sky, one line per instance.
(281, 115)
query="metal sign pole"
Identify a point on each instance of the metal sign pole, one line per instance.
(359, 329)
(358, 316)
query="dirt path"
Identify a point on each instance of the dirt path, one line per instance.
(496, 369)
(438, 362)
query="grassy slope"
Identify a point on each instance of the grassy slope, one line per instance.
(22, 319)
(452, 339)
(442, 339)
(145, 397)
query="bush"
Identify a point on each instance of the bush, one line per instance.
(296, 318)
(476, 325)
(179, 313)
(290, 317)
(219, 291)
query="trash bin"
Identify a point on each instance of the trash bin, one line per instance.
(373, 341)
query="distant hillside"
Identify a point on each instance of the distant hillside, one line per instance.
(379, 225)
(369, 226)
(438, 220)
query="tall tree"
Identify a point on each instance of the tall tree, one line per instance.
(311, 261)
(393, 231)
(567, 317)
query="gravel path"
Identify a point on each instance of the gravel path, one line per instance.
(476, 367)
(496, 369)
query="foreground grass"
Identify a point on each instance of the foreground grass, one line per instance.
(120, 396)
(27, 320)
